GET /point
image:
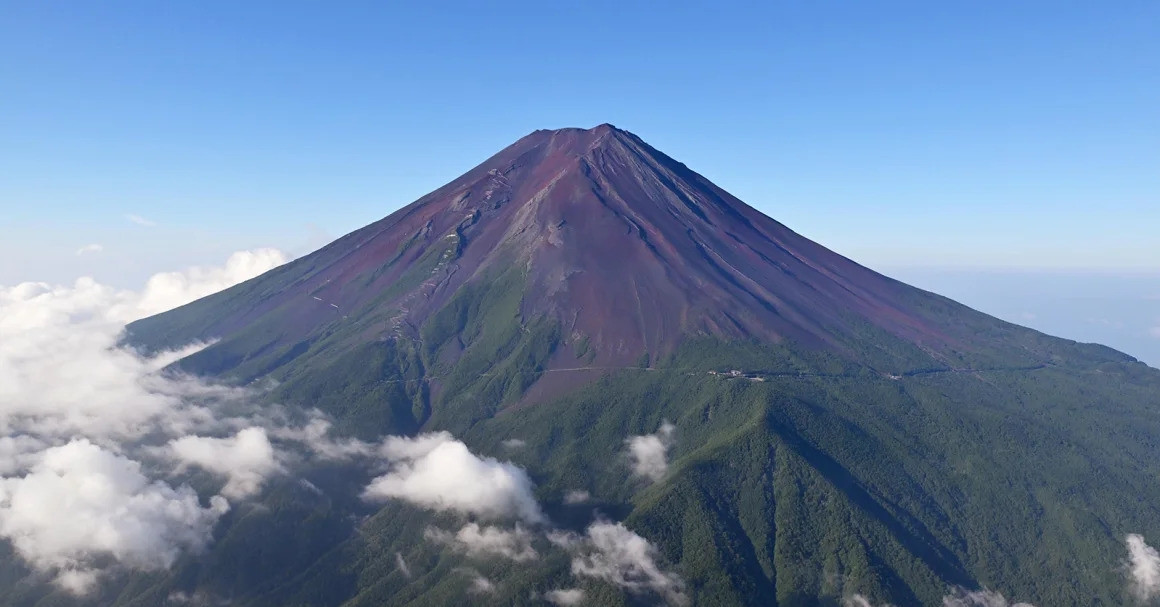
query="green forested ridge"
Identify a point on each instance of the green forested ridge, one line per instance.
(874, 467)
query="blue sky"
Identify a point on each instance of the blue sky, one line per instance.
(919, 134)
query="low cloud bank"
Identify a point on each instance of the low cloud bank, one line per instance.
(649, 453)
(91, 435)
(80, 502)
(63, 374)
(76, 412)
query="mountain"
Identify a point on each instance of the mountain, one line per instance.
(836, 431)
(594, 243)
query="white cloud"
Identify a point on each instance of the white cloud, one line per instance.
(613, 553)
(564, 539)
(576, 497)
(76, 410)
(59, 367)
(1143, 567)
(480, 542)
(401, 565)
(18, 453)
(1155, 332)
(169, 290)
(59, 382)
(979, 598)
(245, 459)
(315, 436)
(565, 597)
(649, 453)
(514, 443)
(438, 472)
(139, 220)
(196, 599)
(77, 581)
(858, 600)
(81, 503)
(478, 583)
(61, 372)
(90, 248)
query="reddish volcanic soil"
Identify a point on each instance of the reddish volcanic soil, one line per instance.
(621, 244)
(627, 246)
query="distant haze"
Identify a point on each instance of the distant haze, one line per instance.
(1117, 310)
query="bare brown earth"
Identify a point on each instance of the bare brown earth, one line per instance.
(627, 252)
(621, 243)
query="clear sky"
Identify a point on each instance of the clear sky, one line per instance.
(984, 140)
(979, 134)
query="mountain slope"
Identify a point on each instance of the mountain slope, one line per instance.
(580, 287)
(592, 242)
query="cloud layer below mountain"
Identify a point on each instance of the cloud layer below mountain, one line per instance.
(438, 472)
(649, 453)
(615, 554)
(1143, 568)
(487, 541)
(77, 412)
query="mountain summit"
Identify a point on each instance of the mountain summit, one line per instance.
(622, 245)
(826, 431)
(621, 248)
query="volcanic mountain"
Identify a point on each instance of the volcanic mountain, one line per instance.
(605, 245)
(837, 431)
